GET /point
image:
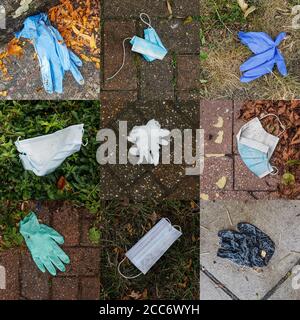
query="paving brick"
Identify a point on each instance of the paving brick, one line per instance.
(191, 110)
(146, 188)
(113, 188)
(210, 290)
(225, 195)
(278, 219)
(188, 95)
(84, 262)
(157, 80)
(237, 123)
(187, 189)
(113, 102)
(214, 170)
(65, 288)
(188, 73)
(179, 37)
(90, 288)
(169, 174)
(114, 34)
(132, 9)
(217, 136)
(10, 261)
(184, 8)
(35, 284)
(244, 179)
(66, 222)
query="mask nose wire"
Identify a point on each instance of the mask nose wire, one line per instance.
(123, 275)
(123, 62)
(148, 23)
(281, 124)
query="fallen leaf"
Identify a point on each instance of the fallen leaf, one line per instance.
(248, 11)
(243, 5)
(221, 183)
(220, 136)
(220, 123)
(204, 196)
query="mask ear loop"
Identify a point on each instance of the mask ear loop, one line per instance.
(86, 143)
(123, 275)
(148, 23)
(281, 124)
(123, 62)
(176, 226)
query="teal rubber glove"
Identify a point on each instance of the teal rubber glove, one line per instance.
(42, 242)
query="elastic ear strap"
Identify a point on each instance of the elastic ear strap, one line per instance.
(281, 124)
(86, 142)
(123, 63)
(276, 171)
(148, 23)
(123, 275)
(175, 225)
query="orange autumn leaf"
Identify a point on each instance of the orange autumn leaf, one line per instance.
(14, 49)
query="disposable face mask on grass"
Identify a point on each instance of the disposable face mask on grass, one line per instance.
(151, 247)
(54, 56)
(256, 146)
(43, 154)
(151, 47)
(266, 55)
(43, 243)
(147, 140)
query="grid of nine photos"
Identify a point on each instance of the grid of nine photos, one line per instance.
(100, 195)
(77, 220)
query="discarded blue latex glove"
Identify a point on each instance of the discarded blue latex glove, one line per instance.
(42, 242)
(54, 56)
(266, 55)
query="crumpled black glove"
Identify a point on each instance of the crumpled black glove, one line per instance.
(249, 247)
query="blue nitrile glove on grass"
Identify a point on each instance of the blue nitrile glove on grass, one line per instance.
(266, 55)
(42, 242)
(54, 56)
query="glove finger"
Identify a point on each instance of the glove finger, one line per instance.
(58, 264)
(258, 60)
(49, 266)
(57, 75)
(76, 74)
(75, 59)
(62, 255)
(279, 38)
(62, 49)
(46, 75)
(39, 263)
(53, 234)
(281, 64)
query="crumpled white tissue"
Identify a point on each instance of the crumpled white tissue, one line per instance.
(147, 140)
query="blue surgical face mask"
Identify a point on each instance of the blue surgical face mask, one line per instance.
(151, 47)
(42, 155)
(256, 147)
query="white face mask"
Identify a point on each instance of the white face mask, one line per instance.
(256, 146)
(44, 154)
(149, 249)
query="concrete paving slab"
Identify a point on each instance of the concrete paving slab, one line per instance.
(210, 290)
(286, 291)
(279, 219)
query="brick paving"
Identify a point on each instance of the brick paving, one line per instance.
(219, 119)
(81, 281)
(167, 91)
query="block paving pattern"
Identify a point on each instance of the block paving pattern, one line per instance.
(167, 91)
(81, 281)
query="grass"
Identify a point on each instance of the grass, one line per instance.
(174, 276)
(31, 119)
(222, 53)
